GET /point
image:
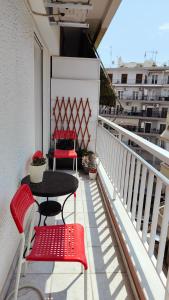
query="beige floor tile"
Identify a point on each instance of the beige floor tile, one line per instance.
(105, 260)
(67, 268)
(66, 287)
(100, 236)
(56, 287)
(40, 267)
(69, 206)
(98, 219)
(40, 281)
(114, 287)
(54, 267)
(69, 218)
(93, 205)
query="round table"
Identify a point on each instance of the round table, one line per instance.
(54, 184)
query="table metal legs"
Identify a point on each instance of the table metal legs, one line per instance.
(46, 216)
(64, 205)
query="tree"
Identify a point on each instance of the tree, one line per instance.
(107, 93)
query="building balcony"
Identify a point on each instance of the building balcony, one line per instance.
(143, 84)
(131, 114)
(143, 131)
(120, 213)
(126, 244)
(154, 99)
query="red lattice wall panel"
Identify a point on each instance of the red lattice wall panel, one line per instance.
(73, 114)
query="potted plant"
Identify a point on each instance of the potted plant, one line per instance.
(89, 163)
(37, 167)
(86, 158)
(92, 166)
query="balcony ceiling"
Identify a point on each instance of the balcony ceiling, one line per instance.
(95, 13)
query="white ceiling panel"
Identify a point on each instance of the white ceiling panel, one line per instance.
(96, 13)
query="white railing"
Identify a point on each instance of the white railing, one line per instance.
(139, 186)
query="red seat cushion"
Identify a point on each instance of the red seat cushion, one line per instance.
(65, 153)
(59, 243)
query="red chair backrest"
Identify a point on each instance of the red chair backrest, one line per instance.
(65, 134)
(20, 203)
(38, 154)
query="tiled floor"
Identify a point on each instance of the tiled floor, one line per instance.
(106, 278)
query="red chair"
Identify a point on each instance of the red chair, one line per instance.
(59, 153)
(64, 243)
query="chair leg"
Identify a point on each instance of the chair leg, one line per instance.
(18, 274)
(76, 166)
(85, 284)
(75, 207)
(30, 236)
(73, 164)
(54, 164)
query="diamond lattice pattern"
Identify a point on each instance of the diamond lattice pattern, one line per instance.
(73, 114)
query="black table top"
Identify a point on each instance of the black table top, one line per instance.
(54, 184)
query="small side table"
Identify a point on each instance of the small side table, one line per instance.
(54, 184)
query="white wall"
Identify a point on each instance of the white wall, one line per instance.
(17, 118)
(50, 34)
(80, 79)
(75, 68)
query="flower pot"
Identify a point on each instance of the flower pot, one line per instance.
(92, 174)
(86, 170)
(36, 173)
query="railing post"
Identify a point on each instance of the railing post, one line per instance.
(167, 287)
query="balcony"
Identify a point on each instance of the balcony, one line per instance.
(156, 114)
(141, 131)
(143, 84)
(120, 212)
(127, 197)
(146, 99)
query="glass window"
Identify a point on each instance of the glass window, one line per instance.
(120, 94)
(162, 128)
(139, 78)
(135, 95)
(168, 79)
(154, 79)
(123, 78)
(145, 79)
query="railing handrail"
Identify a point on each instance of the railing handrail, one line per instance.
(141, 159)
(155, 150)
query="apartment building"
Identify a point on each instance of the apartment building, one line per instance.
(143, 92)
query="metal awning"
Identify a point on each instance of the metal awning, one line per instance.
(95, 14)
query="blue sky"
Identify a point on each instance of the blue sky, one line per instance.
(138, 26)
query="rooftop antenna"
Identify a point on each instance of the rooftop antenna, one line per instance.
(153, 54)
(111, 62)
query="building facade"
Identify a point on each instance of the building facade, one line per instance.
(143, 92)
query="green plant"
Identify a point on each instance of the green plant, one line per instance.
(38, 161)
(89, 161)
(107, 93)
